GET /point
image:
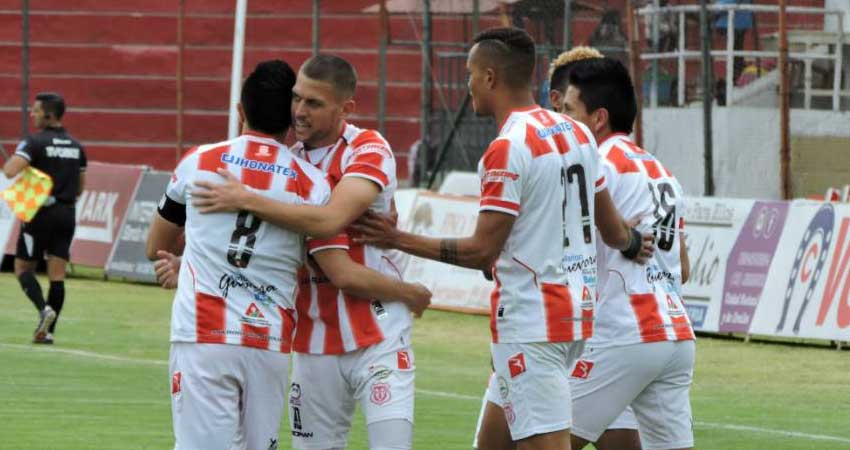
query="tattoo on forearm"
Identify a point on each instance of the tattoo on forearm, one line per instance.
(448, 251)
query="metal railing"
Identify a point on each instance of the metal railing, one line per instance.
(681, 53)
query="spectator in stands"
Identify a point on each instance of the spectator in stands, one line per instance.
(743, 22)
(53, 151)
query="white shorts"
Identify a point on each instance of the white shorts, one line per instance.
(533, 387)
(654, 378)
(325, 389)
(226, 396)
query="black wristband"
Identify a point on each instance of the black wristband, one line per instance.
(634, 245)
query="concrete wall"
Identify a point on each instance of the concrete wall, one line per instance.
(746, 149)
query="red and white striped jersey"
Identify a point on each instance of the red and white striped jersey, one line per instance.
(329, 321)
(238, 276)
(543, 168)
(641, 303)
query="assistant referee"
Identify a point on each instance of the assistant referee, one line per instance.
(53, 151)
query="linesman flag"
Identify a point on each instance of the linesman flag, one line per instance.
(28, 192)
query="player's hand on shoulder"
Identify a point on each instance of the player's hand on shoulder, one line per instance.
(375, 229)
(419, 299)
(227, 196)
(167, 269)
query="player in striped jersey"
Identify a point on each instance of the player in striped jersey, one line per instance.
(348, 348)
(239, 276)
(542, 195)
(642, 351)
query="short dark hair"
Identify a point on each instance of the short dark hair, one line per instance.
(52, 103)
(334, 70)
(605, 83)
(561, 77)
(511, 51)
(267, 97)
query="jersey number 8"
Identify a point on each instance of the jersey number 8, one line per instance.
(239, 255)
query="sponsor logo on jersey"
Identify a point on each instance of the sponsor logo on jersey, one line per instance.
(380, 311)
(654, 274)
(404, 361)
(62, 152)
(516, 365)
(499, 176)
(260, 292)
(372, 148)
(563, 127)
(253, 316)
(586, 299)
(582, 369)
(380, 393)
(262, 166)
(574, 263)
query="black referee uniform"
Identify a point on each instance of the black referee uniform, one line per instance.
(54, 152)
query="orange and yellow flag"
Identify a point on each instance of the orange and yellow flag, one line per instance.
(26, 195)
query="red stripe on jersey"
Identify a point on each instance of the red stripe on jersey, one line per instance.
(682, 328)
(363, 326)
(649, 320)
(369, 165)
(209, 314)
(210, 160)
(495, 158)
(600, 181)
(586, 322)
(254, 335)
(301, 185)
(368, 137)
(287, 316)
(542, 116)
(581, 136)
(304, 328)
(667, 172)
(334, 168)
(499, 204)
(652, 169)
(681, 224)
(494, 306)
(328, 296)
(265, 153)
(340, 240)
(621, 161)
(558, 309)
(538, 146)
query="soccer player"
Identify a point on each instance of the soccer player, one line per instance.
(542, 195)
(348, 348)
(55, 152)
(642, 350)
(233, 313)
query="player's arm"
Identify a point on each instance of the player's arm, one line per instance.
(82, 183)
(360, 281)
(617, 234)
(83, 165)
(350, 198)
(164, 234)
(14, 165)
(478, 251)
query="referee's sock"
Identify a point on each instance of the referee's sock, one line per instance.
(56, 298)
(32, 289)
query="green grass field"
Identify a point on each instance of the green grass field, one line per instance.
(104, 385)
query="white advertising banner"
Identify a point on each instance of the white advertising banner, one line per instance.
(807, 291)
(711, 227)
(453, 287)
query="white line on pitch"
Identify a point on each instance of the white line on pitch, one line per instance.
(160, 362)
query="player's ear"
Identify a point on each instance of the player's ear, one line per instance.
(490, 78)
(348, 107)
(556, 99)
(600, 119)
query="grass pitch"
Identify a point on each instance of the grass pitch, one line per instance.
(104, 385)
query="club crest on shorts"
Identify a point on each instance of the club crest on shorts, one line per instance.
(380, 393)
(516, 365)
(582, 369)
(510, 415)
(175, 383)
(404, 360)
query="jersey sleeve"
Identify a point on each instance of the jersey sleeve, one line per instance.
(27, 149)
(605, 175)
(83, 160)
(172, 205)
(340, 241)
(503, 172)
(371, 158)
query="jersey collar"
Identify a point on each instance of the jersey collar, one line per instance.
(517, 110)
(618, 136)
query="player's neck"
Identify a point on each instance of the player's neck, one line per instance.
(55, 125)
(504, 105)
(604, 134)
(328, 140)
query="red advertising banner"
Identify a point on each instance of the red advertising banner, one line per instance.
(101, 209)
